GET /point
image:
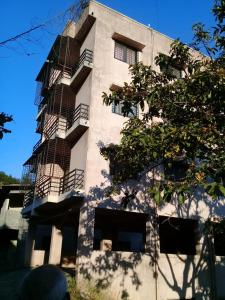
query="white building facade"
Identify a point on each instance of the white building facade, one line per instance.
(141, 252)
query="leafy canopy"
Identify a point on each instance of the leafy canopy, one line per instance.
(182, 119)
(4, 118)
(7, 179)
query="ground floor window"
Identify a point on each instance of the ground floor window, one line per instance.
(219, 239)
(43, 237)
(124, 231)
(177, 236)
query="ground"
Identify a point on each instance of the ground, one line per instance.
(9, 283)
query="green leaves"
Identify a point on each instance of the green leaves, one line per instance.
(180, 119)
(4, 118)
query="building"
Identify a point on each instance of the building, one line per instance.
(131, 252)
(12, 225)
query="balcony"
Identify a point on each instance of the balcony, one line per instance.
(48, 186)
(39, 128)
(41, 109)
(78, 123)
(82, 69)
(38, 95)
(36, 146)
(55, 127)
(54, 74)
(74, 180)
(28, 198)
(53, 190)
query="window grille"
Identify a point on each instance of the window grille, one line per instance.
(125, 54)
(177, 73)
(118, 109)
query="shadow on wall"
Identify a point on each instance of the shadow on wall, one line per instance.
(138, 274)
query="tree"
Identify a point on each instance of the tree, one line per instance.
(4, 118)
(182, 122)
(7, 179)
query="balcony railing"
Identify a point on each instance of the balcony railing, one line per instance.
(36, 146)
(72, 180)
(54, 73)
(53, 125)
(81, 112)
(56, 186)
(48, 186)
(86, 56)
(38, 95)
(28, 198)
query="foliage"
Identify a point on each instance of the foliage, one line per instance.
(7, 179)
(4, 118)
(182, 119)
(87, 292)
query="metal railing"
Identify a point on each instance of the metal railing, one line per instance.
(36, 146)
(38, 94)
(81, 112)
(58, 72)
(28, 198)
(72, 180)
(87, 56)
(66, 72)
(50, 185)
(53, 125)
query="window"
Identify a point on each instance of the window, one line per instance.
(219, 239)
(176, 170)
(169, 68)
(42, 237)
(125, 230)
(118, 109)
(125, 54)
(177, 236)
(173, 71)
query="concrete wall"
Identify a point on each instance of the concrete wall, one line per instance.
(150, 275)
(10, 216)
(89, 41)
(84, 94)
(105, 126)
(78, 153)
(174, 276)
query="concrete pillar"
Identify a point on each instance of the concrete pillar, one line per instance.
(55, 246)
(21, 242)
(85, 242)
(85, 230)
(3, 212)
(29, 245)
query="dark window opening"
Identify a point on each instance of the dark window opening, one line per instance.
(16, 202)
(176, 170)
(177, 236)
(118, 109)
(176, 72)
(219, 239)
(125, 53)
(43, 243)
(69, 244)
(125, 230)
(42, 237)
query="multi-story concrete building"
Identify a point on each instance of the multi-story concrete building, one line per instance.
(72, 223)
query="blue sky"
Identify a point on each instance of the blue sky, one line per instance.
(20, 62)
